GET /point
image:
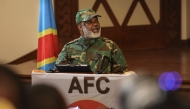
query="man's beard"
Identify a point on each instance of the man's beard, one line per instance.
(90, 34)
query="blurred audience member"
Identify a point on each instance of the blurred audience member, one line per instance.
(144, 93)
(43, 96)
(12, 90)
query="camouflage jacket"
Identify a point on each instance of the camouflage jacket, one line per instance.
(101, 54)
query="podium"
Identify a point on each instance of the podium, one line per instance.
(87, 91)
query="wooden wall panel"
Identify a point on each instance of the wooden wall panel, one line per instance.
(165, 33)
(64, 14)
(172, 22)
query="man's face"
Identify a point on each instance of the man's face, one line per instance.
(92, 25)
(91, 28)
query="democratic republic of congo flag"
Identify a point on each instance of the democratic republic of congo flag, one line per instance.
(47, 37)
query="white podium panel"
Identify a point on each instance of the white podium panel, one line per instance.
(87, 91)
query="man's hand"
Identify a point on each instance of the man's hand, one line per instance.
(128, 72)
(38, 71)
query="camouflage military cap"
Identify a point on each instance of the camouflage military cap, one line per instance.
(85, 15)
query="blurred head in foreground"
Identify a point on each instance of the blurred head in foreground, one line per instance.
(145, 93)
(12, 90)
(43, 96)
(141, 93)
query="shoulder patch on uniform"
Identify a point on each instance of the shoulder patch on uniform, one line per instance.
(107, 40)
(73, 41)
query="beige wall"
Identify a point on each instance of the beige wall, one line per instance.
(19, 22)
(18, 28)
(188, 19)
(185, 21)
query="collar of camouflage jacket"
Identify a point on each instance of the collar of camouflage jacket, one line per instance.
(87, 42)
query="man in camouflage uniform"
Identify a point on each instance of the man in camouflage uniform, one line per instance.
(100, 53)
